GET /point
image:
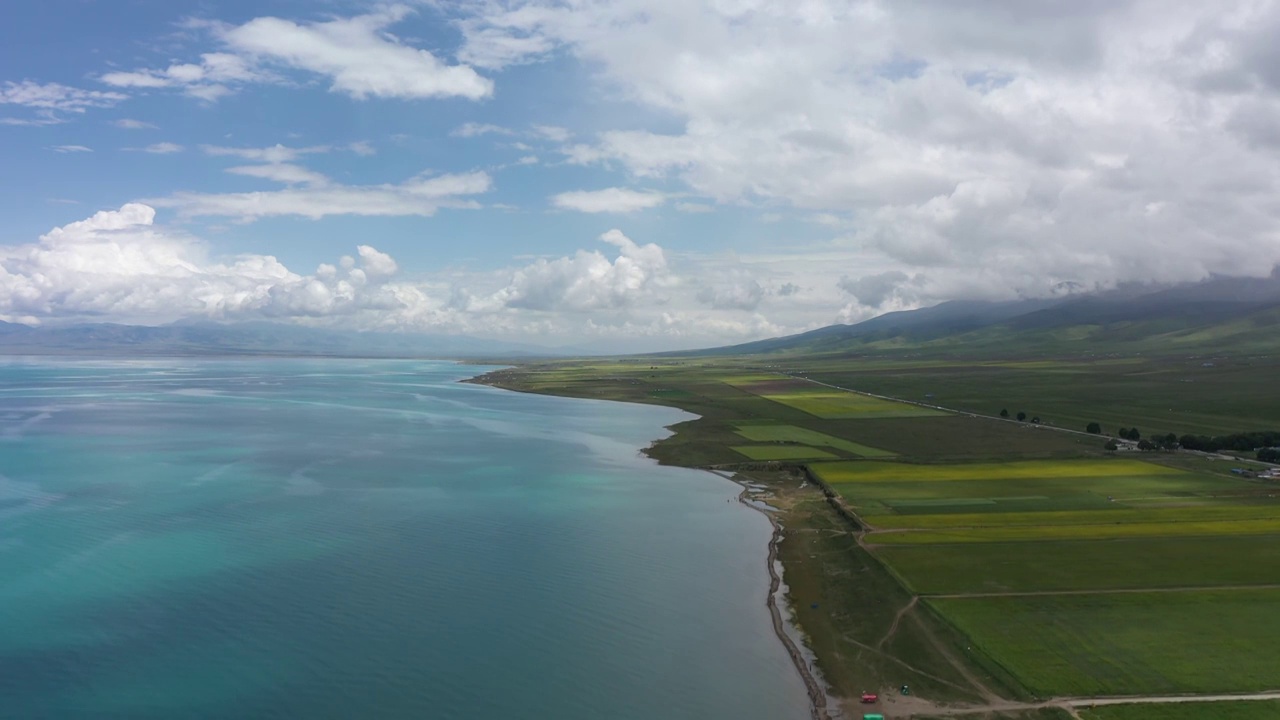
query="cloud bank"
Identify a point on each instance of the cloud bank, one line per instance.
(356, 55)
(990, 149)
(122, 266)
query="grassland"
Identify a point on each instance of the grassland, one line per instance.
(1251, 710)
(1189, 513)
(826, 403)
(1033, 470)
(972, 557)
(1046, 566)
(781, 452)
(1086, 645)
(1075, 565)
(1196, 394)
(711, 390)
(793, 434)
(1091, 531)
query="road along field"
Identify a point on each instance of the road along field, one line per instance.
(1085, 577)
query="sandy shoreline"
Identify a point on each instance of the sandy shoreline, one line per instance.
(817, 694)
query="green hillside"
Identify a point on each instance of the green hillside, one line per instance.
(1190, 321)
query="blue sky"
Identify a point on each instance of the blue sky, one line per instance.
(624, 173)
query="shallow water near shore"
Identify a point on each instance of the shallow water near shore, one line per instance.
(285, 538)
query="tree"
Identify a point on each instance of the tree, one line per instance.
(1021, 416)
(1123, 433)
(1146, 445)
(1004, 413)
(1269, 455)
(1112, 445)
(1093, 428)
(1134, 434)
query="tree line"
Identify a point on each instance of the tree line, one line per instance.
(1239, 442)
(1265, 442)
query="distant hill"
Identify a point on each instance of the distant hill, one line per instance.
(1219, 315)
(258, 338)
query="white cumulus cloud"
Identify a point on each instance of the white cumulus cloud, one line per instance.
(473, 129)
(609, 200)
(589, 280)
(274, 154)
(163, 148)
(131, 124)
(358, 56)
(421, 196)
(208, 79)
(51, 101)
(118, 264)
(286, 173)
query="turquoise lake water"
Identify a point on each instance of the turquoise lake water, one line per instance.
(289, 538)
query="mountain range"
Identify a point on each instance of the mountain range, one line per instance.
(1217, 315)
(254, 338)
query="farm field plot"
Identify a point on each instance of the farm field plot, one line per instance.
(1094, 531)
(782, 452)
(1052, 565)
(1174, 516)
(1072, 493)
(1021, 470)
(1251, 710)
(1082, 645)
(880, 488)
(1157, 395)
(799, 435)
(827, 403)
(957, 437)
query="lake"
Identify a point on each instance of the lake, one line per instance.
(299, 538)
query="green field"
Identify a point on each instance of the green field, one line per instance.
(1082, 645)
(1093, 531)
(1028, 470)
(826, 403)
(1119, 516)
(782, 452)
(802, 436)
(1085, 528)
(1158, 395)
(1098, 486)
(1251, 710)
(1144, 563)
